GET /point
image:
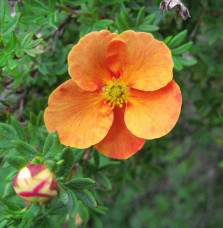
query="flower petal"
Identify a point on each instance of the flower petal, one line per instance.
(151, 115)
(80, 117)
(86, 60)
(119, 143)
(142, 62)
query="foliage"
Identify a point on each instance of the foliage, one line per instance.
(172, 182)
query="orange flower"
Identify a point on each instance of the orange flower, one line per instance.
(120, 94)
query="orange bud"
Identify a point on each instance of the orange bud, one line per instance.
(35, 183)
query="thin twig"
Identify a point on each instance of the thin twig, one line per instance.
(4, 103)
(197, 25)
(20, 111)
(69, 10)
(17, 104)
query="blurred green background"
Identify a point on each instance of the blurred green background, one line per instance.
(173, 182)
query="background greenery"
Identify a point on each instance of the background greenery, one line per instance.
(175, 181)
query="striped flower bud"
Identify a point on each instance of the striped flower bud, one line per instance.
(35, 183)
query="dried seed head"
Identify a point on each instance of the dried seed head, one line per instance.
(176, 5)
(12, 4)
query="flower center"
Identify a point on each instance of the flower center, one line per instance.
(116, 93)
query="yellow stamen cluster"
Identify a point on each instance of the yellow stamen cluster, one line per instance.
(116, 93)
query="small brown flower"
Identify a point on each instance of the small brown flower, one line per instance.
(177, 5)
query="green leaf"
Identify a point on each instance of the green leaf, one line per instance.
(182, 49)
(167, 39)
(28, 45)
(119, 23)
(122, 22)
(40, 140)
(11, 26)
(33, 118)
(177, 64)
(17, 125)
(19, 53)
(72, 203)
(12, 42)
(140, 16)
(36, 42)
(5, 144)
(16, 161)
(126, 18)
(8, 191)
(97, 223)
(25, 149)
(58, 208)
(63, 194)
(79, 153)
(33, 52)
(103, 180)
(2, 14)
(148, 28)
(66, 167)
(178, 39)
(11, 205)
(101, 210)
(48, 222)
(52, 4)
(220, 164)
(103, 24)
(51, 165)
(83, 211)
(28, 219)
(27, 41)
(51, 146)
(180, 61)
(32, 136)
(11, 175)
(110, 164)
(8, 132)
(96, 158)
(37, 7)
(3, 58)
(52, 17)
(80, 183)
(86, 197)
(149, 19)
(12, 64)
(186, 62)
